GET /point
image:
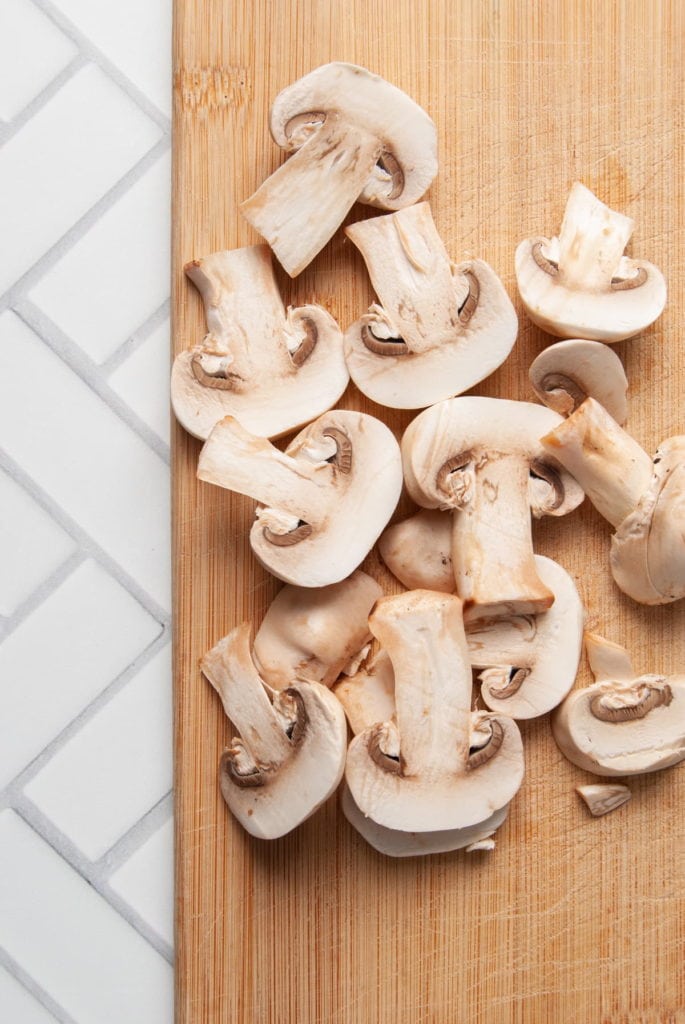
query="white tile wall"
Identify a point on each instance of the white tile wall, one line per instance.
(86, 900)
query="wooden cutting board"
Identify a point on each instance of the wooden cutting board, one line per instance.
(570, 919)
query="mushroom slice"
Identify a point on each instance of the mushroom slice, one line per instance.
(368, 696)
(437, 765)
(354, 136)
(601, 798)
(439, 330)
(621, 726)
(565, 374)
(324, 501)
(643, 499)
(580, 284)
(272, 368)
(481, 458)
(312, 634)
(418, 551)
(290, 752)
(394, 843)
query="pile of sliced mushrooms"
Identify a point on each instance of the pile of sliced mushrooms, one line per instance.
(424, 771)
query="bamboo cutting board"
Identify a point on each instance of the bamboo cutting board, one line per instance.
(570, 919)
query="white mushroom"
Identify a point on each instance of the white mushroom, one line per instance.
(394, 843)
(601, 798)
(290, 752)
(437, 765)
(418, 551)
(354, 137)
(580, 285)
(481, 457)
(311, 634)
(368, 696)
(623, 724)
(439, 328)
(273, 369)
(325, 500)
(643, 498)
(567, 373)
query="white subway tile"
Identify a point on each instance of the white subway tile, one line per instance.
(32, 52)
(146, 881)
(133, 35)
(62, 656)
(85, 457)
(118, 273)
(116, 768)
(143, 380)
(32, 545)
(61, 162)
(18, 1006)
(70, 941)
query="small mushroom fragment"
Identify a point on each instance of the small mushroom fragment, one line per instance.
(273, 369)
(436, 765)
(394, 843)
(601, 798)
(323, 502)
(567, 373)
(312, 634)
(481, 457)
(290, 752)
(580, 285)
(439, 328)
(418, 551)
(368, 696)
(354, 137)
(643, 499)
(623, 724)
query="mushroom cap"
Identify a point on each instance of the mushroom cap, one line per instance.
(418, 551)
(476, 348)
(648, 550)
(357, 96)
(312, 633)
(394, 843)
(568, 372)
(477, 428)
(621, 742)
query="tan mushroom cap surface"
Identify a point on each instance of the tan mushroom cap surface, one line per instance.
(439, 328)
(568, 372)
(579, 284)
(273, 369)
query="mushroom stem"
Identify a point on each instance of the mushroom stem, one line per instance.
(231, 671)
(609, 465)
(411, 275)
(492, 546)
(427, 648)
(304, 201)
(591, 241)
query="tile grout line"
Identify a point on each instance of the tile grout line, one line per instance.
(136, 339)
(37, 991)
(41, 593)
(10, 128)
(73, 356)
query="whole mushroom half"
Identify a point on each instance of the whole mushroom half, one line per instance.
(273, 369)
(565, 374)
(643, 498)
(323, 502)
(436, 765)
(482, 459)
(290, 752)
(579, 284)
(624, 724)
(354, 137)
(439, 328)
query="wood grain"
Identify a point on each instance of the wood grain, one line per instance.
(570, 919)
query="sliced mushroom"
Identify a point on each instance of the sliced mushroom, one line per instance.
(354, 137)
(580, 285)
(565, 374)
(643, 499)
(481, 458)
(324, 501)
(273, 369)
(290, 752)
(368, 696)
(601, 798)
(622, 726)
(394, 843)
(312, 634)
(438, 765)
(439, 329)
